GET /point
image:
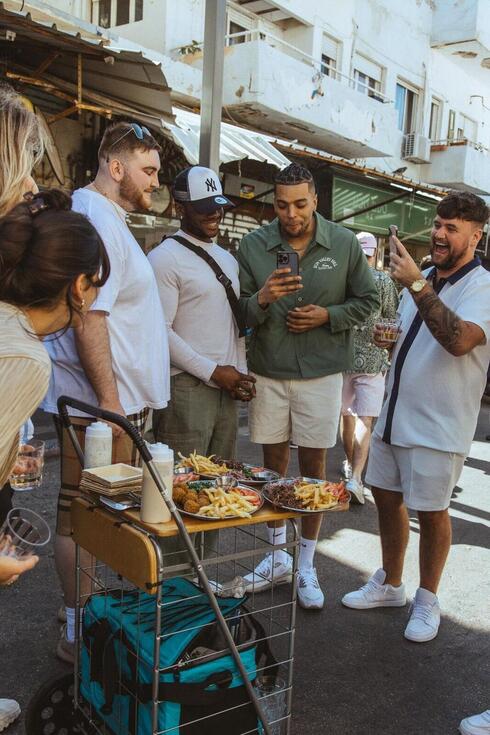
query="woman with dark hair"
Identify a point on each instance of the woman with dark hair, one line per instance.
(51, 263)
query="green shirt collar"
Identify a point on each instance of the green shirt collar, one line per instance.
(321, 236)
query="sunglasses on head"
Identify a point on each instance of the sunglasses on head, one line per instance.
(139, 130)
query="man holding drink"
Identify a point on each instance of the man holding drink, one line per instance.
(427, 422)
(305, 283)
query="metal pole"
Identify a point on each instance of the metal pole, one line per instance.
(212, 83)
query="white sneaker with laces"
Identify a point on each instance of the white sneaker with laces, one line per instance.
(267, 573)
(310, 595)
(375, 593)
(476, 724)
(9, 711)
(356, 489)
(425, 617)
(346, 469)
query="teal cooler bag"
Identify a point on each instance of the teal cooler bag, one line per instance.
(117, 662)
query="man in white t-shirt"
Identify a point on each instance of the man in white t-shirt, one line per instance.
(118, 359)
(427, 422)
(207, 353)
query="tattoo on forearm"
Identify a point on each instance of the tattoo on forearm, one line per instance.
(444, 324)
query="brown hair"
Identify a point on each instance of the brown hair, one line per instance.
(44, 247)
(21, 147)
(119, 139)
(463, 205)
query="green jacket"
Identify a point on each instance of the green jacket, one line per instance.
(335, 275)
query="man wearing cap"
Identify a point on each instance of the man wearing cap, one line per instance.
(364, 385)
(207, 353)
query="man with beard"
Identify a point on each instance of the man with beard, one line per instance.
(427, 422)
(118, 359)
(301, 344)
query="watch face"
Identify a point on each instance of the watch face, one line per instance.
(418, 285)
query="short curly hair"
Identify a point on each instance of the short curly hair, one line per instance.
(294, 174)
(463, 205)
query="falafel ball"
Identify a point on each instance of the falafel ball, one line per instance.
(191, 505)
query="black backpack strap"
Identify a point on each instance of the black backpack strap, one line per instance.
(221, 277)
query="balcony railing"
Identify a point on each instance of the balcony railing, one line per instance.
(317, 66)
(450, 142)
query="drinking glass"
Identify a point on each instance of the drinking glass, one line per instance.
(388, 329)
(28, 471)
(23, 533)
(272, 694)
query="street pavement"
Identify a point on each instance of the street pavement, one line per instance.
(355, 674)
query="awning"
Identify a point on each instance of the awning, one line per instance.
(235, 143)
(81, 65)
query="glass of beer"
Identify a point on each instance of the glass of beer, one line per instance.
(388, 330)
(28, 470)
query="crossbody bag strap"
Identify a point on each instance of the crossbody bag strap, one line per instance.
(222, 278)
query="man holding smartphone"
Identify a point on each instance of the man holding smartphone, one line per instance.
(301, 344)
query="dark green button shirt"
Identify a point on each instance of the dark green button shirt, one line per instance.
(335, 275)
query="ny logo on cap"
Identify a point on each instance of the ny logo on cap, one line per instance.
(211, 185)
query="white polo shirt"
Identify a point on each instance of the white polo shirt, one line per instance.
(135, 320)
(433, 398)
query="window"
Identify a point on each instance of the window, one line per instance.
(451, 125)
(368, 77)
(238, 23)
(468, 129)
(236, 28)
(406, 107)
(108, 13)
(435, 119)
(330, 56)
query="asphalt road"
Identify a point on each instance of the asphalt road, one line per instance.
(355, 674)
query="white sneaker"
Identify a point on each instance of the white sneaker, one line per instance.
(266, 574)
(356, 489)
(425, 617)
(376, 594)
(346, 469)
(476, 725)
(9, 711)
(310, 595)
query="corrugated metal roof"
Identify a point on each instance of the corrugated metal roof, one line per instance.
(116, 73)
(235, 143)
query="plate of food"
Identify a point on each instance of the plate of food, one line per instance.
(307, 495)
(213, 466)
(203, 499)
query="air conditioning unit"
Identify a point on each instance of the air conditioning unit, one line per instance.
(416, 148)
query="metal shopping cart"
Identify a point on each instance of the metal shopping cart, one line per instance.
(160, 648)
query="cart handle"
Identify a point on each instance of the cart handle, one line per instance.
(101, 413)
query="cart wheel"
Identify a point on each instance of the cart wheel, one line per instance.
(51, 711)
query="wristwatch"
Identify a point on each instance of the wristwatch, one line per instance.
(418, 285)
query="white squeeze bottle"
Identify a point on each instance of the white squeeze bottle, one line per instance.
(98, 445)
(153, 507)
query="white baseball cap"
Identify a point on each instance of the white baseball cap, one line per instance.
(368, 243)
(201, 187)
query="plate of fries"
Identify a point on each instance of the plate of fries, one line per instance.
(202, 465)
(203, 499)
(307, 495)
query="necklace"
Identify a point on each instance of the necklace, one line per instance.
(121, 216)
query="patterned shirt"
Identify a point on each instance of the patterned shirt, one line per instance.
(369, 359)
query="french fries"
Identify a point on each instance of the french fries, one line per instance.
(224, 504)
(202, 465)
(315, 496)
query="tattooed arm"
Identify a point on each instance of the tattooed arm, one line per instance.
(457, 336)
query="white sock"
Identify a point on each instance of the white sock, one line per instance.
(70, 624)
(306, 553)
(277, 536)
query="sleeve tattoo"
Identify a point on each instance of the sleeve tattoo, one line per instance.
(444, 324)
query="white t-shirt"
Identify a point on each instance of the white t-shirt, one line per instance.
(139, 344)
(201, 327)
(433, 398)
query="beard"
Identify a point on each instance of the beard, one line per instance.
(131, 195)
(449, 261)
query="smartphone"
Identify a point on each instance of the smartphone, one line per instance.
(285, 259)
(393, 232)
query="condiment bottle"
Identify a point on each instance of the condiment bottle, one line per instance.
(98, 445)
(153, 507)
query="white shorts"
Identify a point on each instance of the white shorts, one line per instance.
(362, 394)
(305, 411)
(425, 477)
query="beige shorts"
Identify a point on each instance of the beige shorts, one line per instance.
(362, 395)
(425, 477)
(305, 411)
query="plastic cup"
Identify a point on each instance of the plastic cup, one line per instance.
(23, 533)
(388, 330)
(28, 471)
(272, 694)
